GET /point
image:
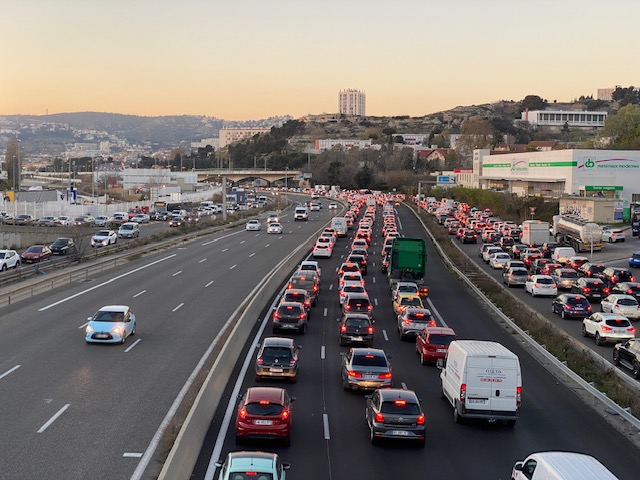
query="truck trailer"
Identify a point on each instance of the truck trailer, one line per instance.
(407, 262)
(535, 232)
(577, 232)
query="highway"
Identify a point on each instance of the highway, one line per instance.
(330, 439)
(72, 410)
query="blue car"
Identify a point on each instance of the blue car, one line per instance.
(634, 261)
(111, 324)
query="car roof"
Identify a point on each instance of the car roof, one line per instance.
(620, 296)
(272, 394)
(407, 284)
(277, 342)
(243, 461)
(388, 394)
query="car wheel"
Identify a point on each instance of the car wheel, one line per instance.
(616, 357)
(584, 331)
(4, 267)
(124, 337)
(423, 360)
(636, 369)
(372, 437)
(133, 332)
(345, 385)
(15, 267)
(601, 308)
(456, 416)
(599, 340)
(563, 314)
(533, 294)
(611, 240)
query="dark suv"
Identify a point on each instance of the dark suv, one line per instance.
(63, 246)
(358, 303)
(571, 305)
(356, 328)
(628, 355)
(612, 275)
(277, 357)
(290, 316)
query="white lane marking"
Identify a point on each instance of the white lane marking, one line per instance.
(203, 260)
(220, 238)
(375, 300)
(325, 424)
(279, 237)
(243, 241)
(54, 418)
(83, 325)
(374, 265)
(18, 366)
(139, 293)
(436, 312)
(325, 311)
(90, 289)
(299, 226)
(132, 345)
(331, 287)
(404, 386)
(257, 234)
(322, 353)
(208, 284)
(267, 245)
(132, 455)
(178, 307)
(374, 279)
(181, 248)
(232, 267)
(252, 254)
(399, 222)
(177, 273)
(224, 250)
(341, 256)
(384, 334)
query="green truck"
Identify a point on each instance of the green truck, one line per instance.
(407, 262)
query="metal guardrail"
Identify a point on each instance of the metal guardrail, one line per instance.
(596, 395)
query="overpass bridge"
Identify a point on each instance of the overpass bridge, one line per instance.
(266, 177)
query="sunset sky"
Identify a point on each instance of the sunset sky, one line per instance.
(250, 59)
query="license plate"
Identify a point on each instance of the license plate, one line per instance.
(370, 377)
(476, 401)
(102, 335)
(401, 433)
(263, 422)
(441, 350)
(356, 339)
(275, 370)
(596, 295)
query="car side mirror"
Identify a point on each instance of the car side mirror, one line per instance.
(440, 364)
(218, 464)
(518, 466)
(293, 399)
(89, 318)
(286, 466)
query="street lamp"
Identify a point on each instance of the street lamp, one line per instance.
(286, 179)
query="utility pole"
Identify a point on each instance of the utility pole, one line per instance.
(224, 198)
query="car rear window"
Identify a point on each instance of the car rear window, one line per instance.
(398, 407)
(568, 274)
(410, 302)
(407, 289)
(359, 304)
(439, 339)
(627, 302)
(418, 316)
(294, 297)
(305, 284)
(289, 310)
(356, 322)
(519, 273)
(263, 409)
(353, 289)
(578, 302)
(545, 281)
(617, 322)
(369, 360)
(623, 275)
(281, 354)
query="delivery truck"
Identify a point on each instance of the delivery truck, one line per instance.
(535, 232)
(408, 262)
(339, 224)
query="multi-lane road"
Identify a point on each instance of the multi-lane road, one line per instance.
(72, 410)
(330, 439)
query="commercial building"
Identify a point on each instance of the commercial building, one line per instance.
(329, 143)
(611, 174)
(232, 135)
(558, 118)
(352, 102)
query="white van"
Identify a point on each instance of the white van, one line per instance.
(482, 379)
(301, 213)
(563, 254)
(339, 224)
(560, 466)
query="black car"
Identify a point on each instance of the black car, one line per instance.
(360, 260)
(538, 264)
(592, 288)
(506, 243)
(355, 328)
(469, 236)
(518, 249)
(628, 355)
(570, 305)
(548, 248)
(290, 316)
(63, 246)
(613, 275)
(628, 288)
(591, 269)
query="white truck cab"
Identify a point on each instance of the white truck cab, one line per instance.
(560, 466)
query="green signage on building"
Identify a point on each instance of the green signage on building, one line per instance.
(606, 188)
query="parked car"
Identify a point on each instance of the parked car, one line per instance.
(277, 358)
(111, 324)
(627, 354)
(395, 414)
(63, 246)
(608, 327)
(36, 254)
(9, 259)
(22, 220)
(47, 221)
(571, 305)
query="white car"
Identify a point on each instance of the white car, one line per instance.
(104, 238)
(273, 218)
(140, 218)
(541, 285)
(315, 207)
(613, 235)
(608, 327)
(310, 265)
(65, 220)
(9, 259)
(253, 226)
(333, 206)
(621, 304)
(322, 250)
(100, 221)
(348, 288)
(274, 228)
(490, 251)
(498, 260)
(405, 287)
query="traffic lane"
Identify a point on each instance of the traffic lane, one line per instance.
(163, 351)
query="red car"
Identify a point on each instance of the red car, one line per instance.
(264, 412)
(433, 342)
(36, 254)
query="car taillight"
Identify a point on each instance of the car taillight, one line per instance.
(276, 315)
(243, 413)
(351, 373)
(518, 396)
(369, 307)
(616, 306)
(285, 414)
(384, 376)
(463, 392)
(347, 307)
(370, 329)
(606, 290)
(420, 420)
(568, 307)
(260, 361)
(301, 316)
(343, 328)
(315, 288)
(586, 289)
(292, 361)
(379, 418)
(606, 329)
(537, 285)
(632, 330)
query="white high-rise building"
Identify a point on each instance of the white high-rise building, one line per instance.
(351, 102)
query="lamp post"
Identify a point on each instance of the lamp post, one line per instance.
(19, 165)
(286, 179)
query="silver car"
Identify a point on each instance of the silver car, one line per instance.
(365, 368)
(396, 414)
(515, 276)
(565, 278)
(412, 321)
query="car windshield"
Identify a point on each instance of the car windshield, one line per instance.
(441, 339)
(400, 407)
(617, 322)
(628, 302)
(60, 241)
(127, 227)
(367, 360)
(34, 250)
(636, 256)
(263, 409)
(103, 233)
(276, 354)
(109, 317)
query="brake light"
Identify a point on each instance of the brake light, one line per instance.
(568, 307)
(369, 307)
(606, 329)
(586, 289)
(606, 290)
(276, 315)
(616, 306)
(420, 420)
(379, 418)
(260, 361)
(285, 414)
(352, 373)
(348, 307)
(343, 328)
(315, 288)
(406, 321)
(301, 316)
(463, 392)
(432, 323)
(243, 413)
(518, 396)
(370, 330)
(631, 329)
(384, 376)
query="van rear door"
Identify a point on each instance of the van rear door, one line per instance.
(491, 384)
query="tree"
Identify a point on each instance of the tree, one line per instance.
(623, 128)
(389, 132)
(364, 178)
(11, 161)
(626, 96)
(533, 102)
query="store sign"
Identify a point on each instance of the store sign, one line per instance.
(602, 188)
(462, 171)
(589, 164)
(520, 167)
(445, 180)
